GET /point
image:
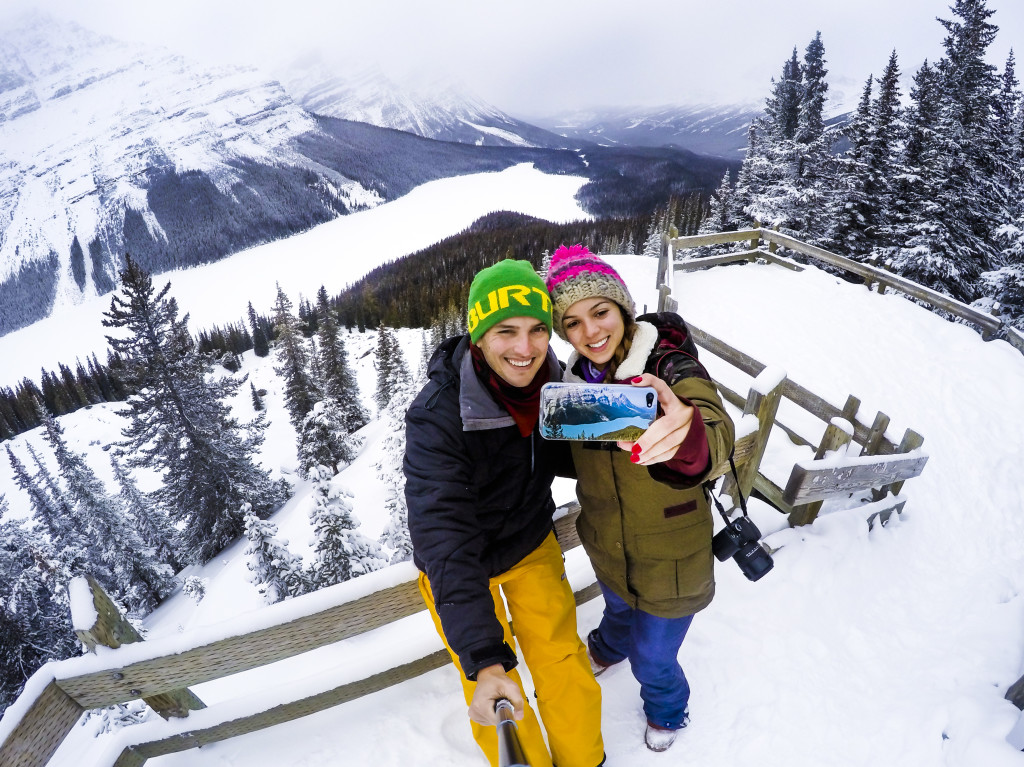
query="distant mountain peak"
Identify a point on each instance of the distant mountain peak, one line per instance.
(431, 106)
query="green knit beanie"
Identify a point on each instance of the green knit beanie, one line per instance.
(507, 289)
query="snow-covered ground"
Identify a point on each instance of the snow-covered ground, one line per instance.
(892, 646)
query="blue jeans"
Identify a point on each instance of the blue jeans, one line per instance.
(652, 646)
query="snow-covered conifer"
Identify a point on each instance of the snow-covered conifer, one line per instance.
(324, 439)
(115, 545)
(392, 372)
(339, 382)
(293, 363)
(260, 344)
(341, 552)
(151, 522)
(194, 588)
(389, 469)
(276, 572)
(179, 422)
(720, 216)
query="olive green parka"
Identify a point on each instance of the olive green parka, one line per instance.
(650, 539)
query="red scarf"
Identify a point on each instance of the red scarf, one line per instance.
(521, 402)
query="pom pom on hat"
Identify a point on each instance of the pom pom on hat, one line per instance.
(574, 274)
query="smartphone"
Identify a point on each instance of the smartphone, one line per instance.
(604, 412)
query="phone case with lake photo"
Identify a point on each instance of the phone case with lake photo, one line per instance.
(601, 412)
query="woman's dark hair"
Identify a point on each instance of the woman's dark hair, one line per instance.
(629, 330)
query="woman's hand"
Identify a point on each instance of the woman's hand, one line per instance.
(662, 440)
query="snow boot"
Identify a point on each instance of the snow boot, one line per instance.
(658, 738)
(597, 664)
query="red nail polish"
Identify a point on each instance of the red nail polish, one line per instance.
(635, 458)
(638, 379)
(636, 449)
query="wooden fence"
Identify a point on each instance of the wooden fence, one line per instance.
(57, 695)
(990, 326)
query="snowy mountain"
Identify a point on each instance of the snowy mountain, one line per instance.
(93, 129)
(716, 130)
(437, 109)
(108, 147)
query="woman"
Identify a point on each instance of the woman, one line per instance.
(645, 520)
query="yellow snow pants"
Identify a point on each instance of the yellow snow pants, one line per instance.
(543, 610)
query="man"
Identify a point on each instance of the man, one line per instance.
(479, 495)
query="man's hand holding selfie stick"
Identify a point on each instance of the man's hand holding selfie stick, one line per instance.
(498, 702)
(661, 441)
(492, 685)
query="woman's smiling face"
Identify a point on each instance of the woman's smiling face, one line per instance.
(594, 327)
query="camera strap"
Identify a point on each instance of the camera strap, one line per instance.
(710, 492)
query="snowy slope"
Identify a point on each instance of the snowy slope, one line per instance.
(885, 647)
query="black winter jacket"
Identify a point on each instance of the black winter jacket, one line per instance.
(479, 498)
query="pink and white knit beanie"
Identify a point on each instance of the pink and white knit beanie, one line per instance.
(574, 274)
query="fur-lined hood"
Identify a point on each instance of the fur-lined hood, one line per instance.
(645, 339)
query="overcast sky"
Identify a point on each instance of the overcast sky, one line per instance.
(533, 57)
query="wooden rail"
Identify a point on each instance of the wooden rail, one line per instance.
(991, 326)
(885, 466)
(40, 729)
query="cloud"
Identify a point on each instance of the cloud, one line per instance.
(536, 56)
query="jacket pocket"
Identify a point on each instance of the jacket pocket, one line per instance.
(673, 564)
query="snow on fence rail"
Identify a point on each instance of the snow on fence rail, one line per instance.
(991, 326)
(34, 726)
(882, 465)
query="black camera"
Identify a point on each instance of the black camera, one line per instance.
(741, 540)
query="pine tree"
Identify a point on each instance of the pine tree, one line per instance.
(888, 134)
(341, 551)
(652, 244)
(150, 521)
(293, 361)
(812, 146)
(339, 382)
(136, 578)
(952, 230)
(34, 628)
(276, 572)
(43, 508)
(260, 345)
(324, 438)
(34, 625)
(852, 207)
(180, 425)
(389, 469)
(257, 400)
(392, 373)
(720, 217)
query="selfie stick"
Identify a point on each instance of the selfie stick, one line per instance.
(510, 751)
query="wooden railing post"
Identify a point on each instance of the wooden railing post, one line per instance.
(41, 730)
(764, 405)
(838, 434)
(1015, 693)
(911, 441)
(111, 629)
